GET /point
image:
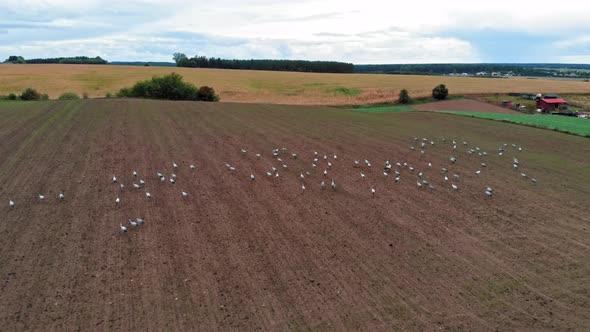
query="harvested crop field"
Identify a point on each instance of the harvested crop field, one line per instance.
(267, 86)
(238, 254)
(469, 105)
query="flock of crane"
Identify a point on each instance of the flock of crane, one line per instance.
(325, 163)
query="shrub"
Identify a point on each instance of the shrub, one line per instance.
(440, 92)
(44, 96)
(12, 96)
(108, 95)
(30, 94)
(404, 97)
(85, 95)
(169, 87)
(69, 96)
(207, 93)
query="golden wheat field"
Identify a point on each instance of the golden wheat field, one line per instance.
(266, 86)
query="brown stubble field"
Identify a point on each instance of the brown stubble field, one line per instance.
(267, 86)
(247, 255)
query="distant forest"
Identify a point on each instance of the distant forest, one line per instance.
(519, 69)
(274, 65)
(64, 60)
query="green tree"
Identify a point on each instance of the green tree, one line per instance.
(30, 94)
(404, 97)
(440, 92)
(69, 96)
(207, 93)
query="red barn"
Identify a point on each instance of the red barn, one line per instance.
(550, 104)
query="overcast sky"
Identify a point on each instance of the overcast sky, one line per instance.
(369, 31)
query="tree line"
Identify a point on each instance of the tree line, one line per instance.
(521, 69)
(77, 60)
(182, 60)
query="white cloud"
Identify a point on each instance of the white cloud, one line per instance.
(362, 32)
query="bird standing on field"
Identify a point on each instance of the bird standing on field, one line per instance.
(184, 193)
(132, 223)
(114, 179)
(41, 197)
(11, 204)
(61, 196)
(174, 165)
(333, 184)
(252, 177)
(117, 201)
(454, 187)
(134, 174)
(122, 228)
(148, 195)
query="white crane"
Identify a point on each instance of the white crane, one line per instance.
(41, 197)
(430, 165)
(333, 184)
(136, 186)
(488, 188)
(488, 193)
(162, 179)
(335, 156)
(363, 175)
(231, 168)
(456, 176)
(139, 221)
(132, 223)
(243, 151)
(114, 179)
(373, 190)
(325, 172)
(184, 193)
(484, 165)
(329, 164)
(11, 203)
(397, 179)
(385, 174)
(258, 156)
(477, 172)
(314, 165)
(122, 186)
(280, 160)
(141, 182)
(148, 195)
(252, 177)
(446, 178)
(172, 181)
(134, 174)
(302, 187)
(122, 228)
(294, 155)
(174, 165)
(173, 175)
(455, 187)
(117, 201)
(192, 166)
(159, 174)
(285, 166)
(453, 159)
(61, 196)
(534, 180)
(419, 184)
(356, 163)
(301, 176)
(268, 173)
(322, 184)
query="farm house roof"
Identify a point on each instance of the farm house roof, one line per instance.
(554, 101)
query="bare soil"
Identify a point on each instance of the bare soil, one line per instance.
(263, 255)
(464, 105)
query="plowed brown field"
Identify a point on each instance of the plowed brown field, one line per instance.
(464, 105)
(248, 255)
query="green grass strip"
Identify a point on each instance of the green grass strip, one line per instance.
(570, 125)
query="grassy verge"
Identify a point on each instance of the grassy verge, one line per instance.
(384, 109)
(570, 125)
